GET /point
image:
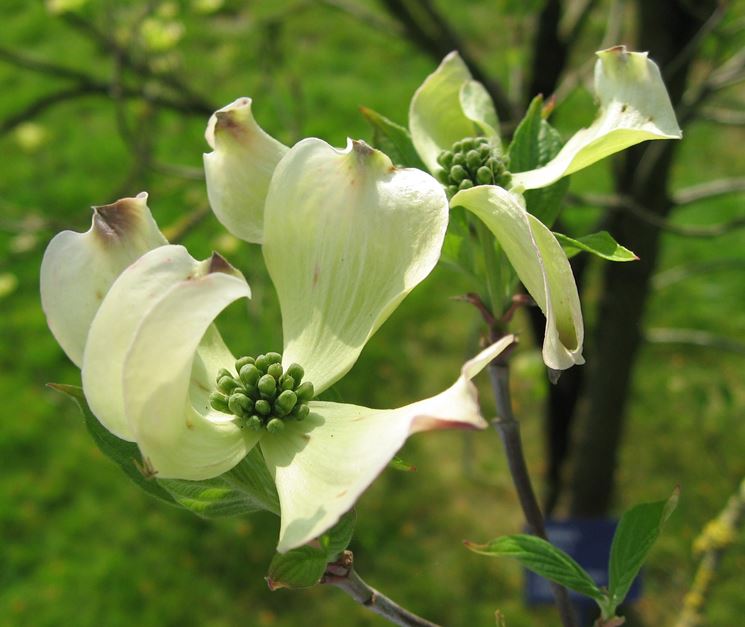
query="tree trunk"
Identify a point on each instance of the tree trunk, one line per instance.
(665, 27)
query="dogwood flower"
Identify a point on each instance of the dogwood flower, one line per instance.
(346, 236)
(455, 130)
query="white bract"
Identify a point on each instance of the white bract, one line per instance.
(450, 106)
(346, 236)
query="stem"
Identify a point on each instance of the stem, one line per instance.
(342, 575)
(509, 430)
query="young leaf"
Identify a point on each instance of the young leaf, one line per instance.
(636, 533)
(600, 244)
(303, 567)
(544, 559)
(340, 535)
(534, 144)
(393, 139)
(125, 454)
(251, 477)
(299, 568)
(211, 498)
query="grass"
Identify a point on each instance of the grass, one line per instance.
(80, 545)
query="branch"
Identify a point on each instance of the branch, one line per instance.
(720, 115)
(718, 535)
(431, 32)
(710, 189)
(508, 427)
(341, 574)
(694, 337)
(111, 47)
(625, 203)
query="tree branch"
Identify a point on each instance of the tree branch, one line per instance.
(508, 427)
(342, 575)
(710, 189)
(431, 32)
(627, 204)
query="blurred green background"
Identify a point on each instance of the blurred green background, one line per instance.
(80, 545)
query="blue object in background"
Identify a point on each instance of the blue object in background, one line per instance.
(588, 542)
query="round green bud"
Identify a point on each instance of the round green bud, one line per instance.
(296, 372)
(484, 152)
(254, 423)
(445, 158)
(484, 175)
(287, 382)
(465, 184)
(458, 146)
(275, 370)
(218, 402)
(273, 358)
(285, 402)
(275, 425)
(250, 374)
(305, 391)
(262, 363)
(459, 159)
(473, 159)
(223, 372)
(239, 404)
(443, 176)
(496, 165)
(262, 407)
(301, 411)
(243, 361)
(458, 173)
(227, 384)
(468, 144)
(267, 386)
(452, 190)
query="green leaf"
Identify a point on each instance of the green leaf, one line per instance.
(125, 454)
(299, 568)
(393, 139)
(337, 538)
(251, 477)
(245, 489)
(303, 567)
(211, 498)
(634, 537)
(534, 144)
(600, 244)
(544, 559)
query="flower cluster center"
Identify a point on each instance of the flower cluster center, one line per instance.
(472, 161)
(263, 395)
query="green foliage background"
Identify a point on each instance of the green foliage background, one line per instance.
(81, 545)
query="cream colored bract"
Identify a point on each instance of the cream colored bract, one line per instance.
(346, 236)
(634, 107)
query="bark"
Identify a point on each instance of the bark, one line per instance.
(665, 27)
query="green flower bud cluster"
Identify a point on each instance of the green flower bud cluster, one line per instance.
(471, 161)
(263, 395)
